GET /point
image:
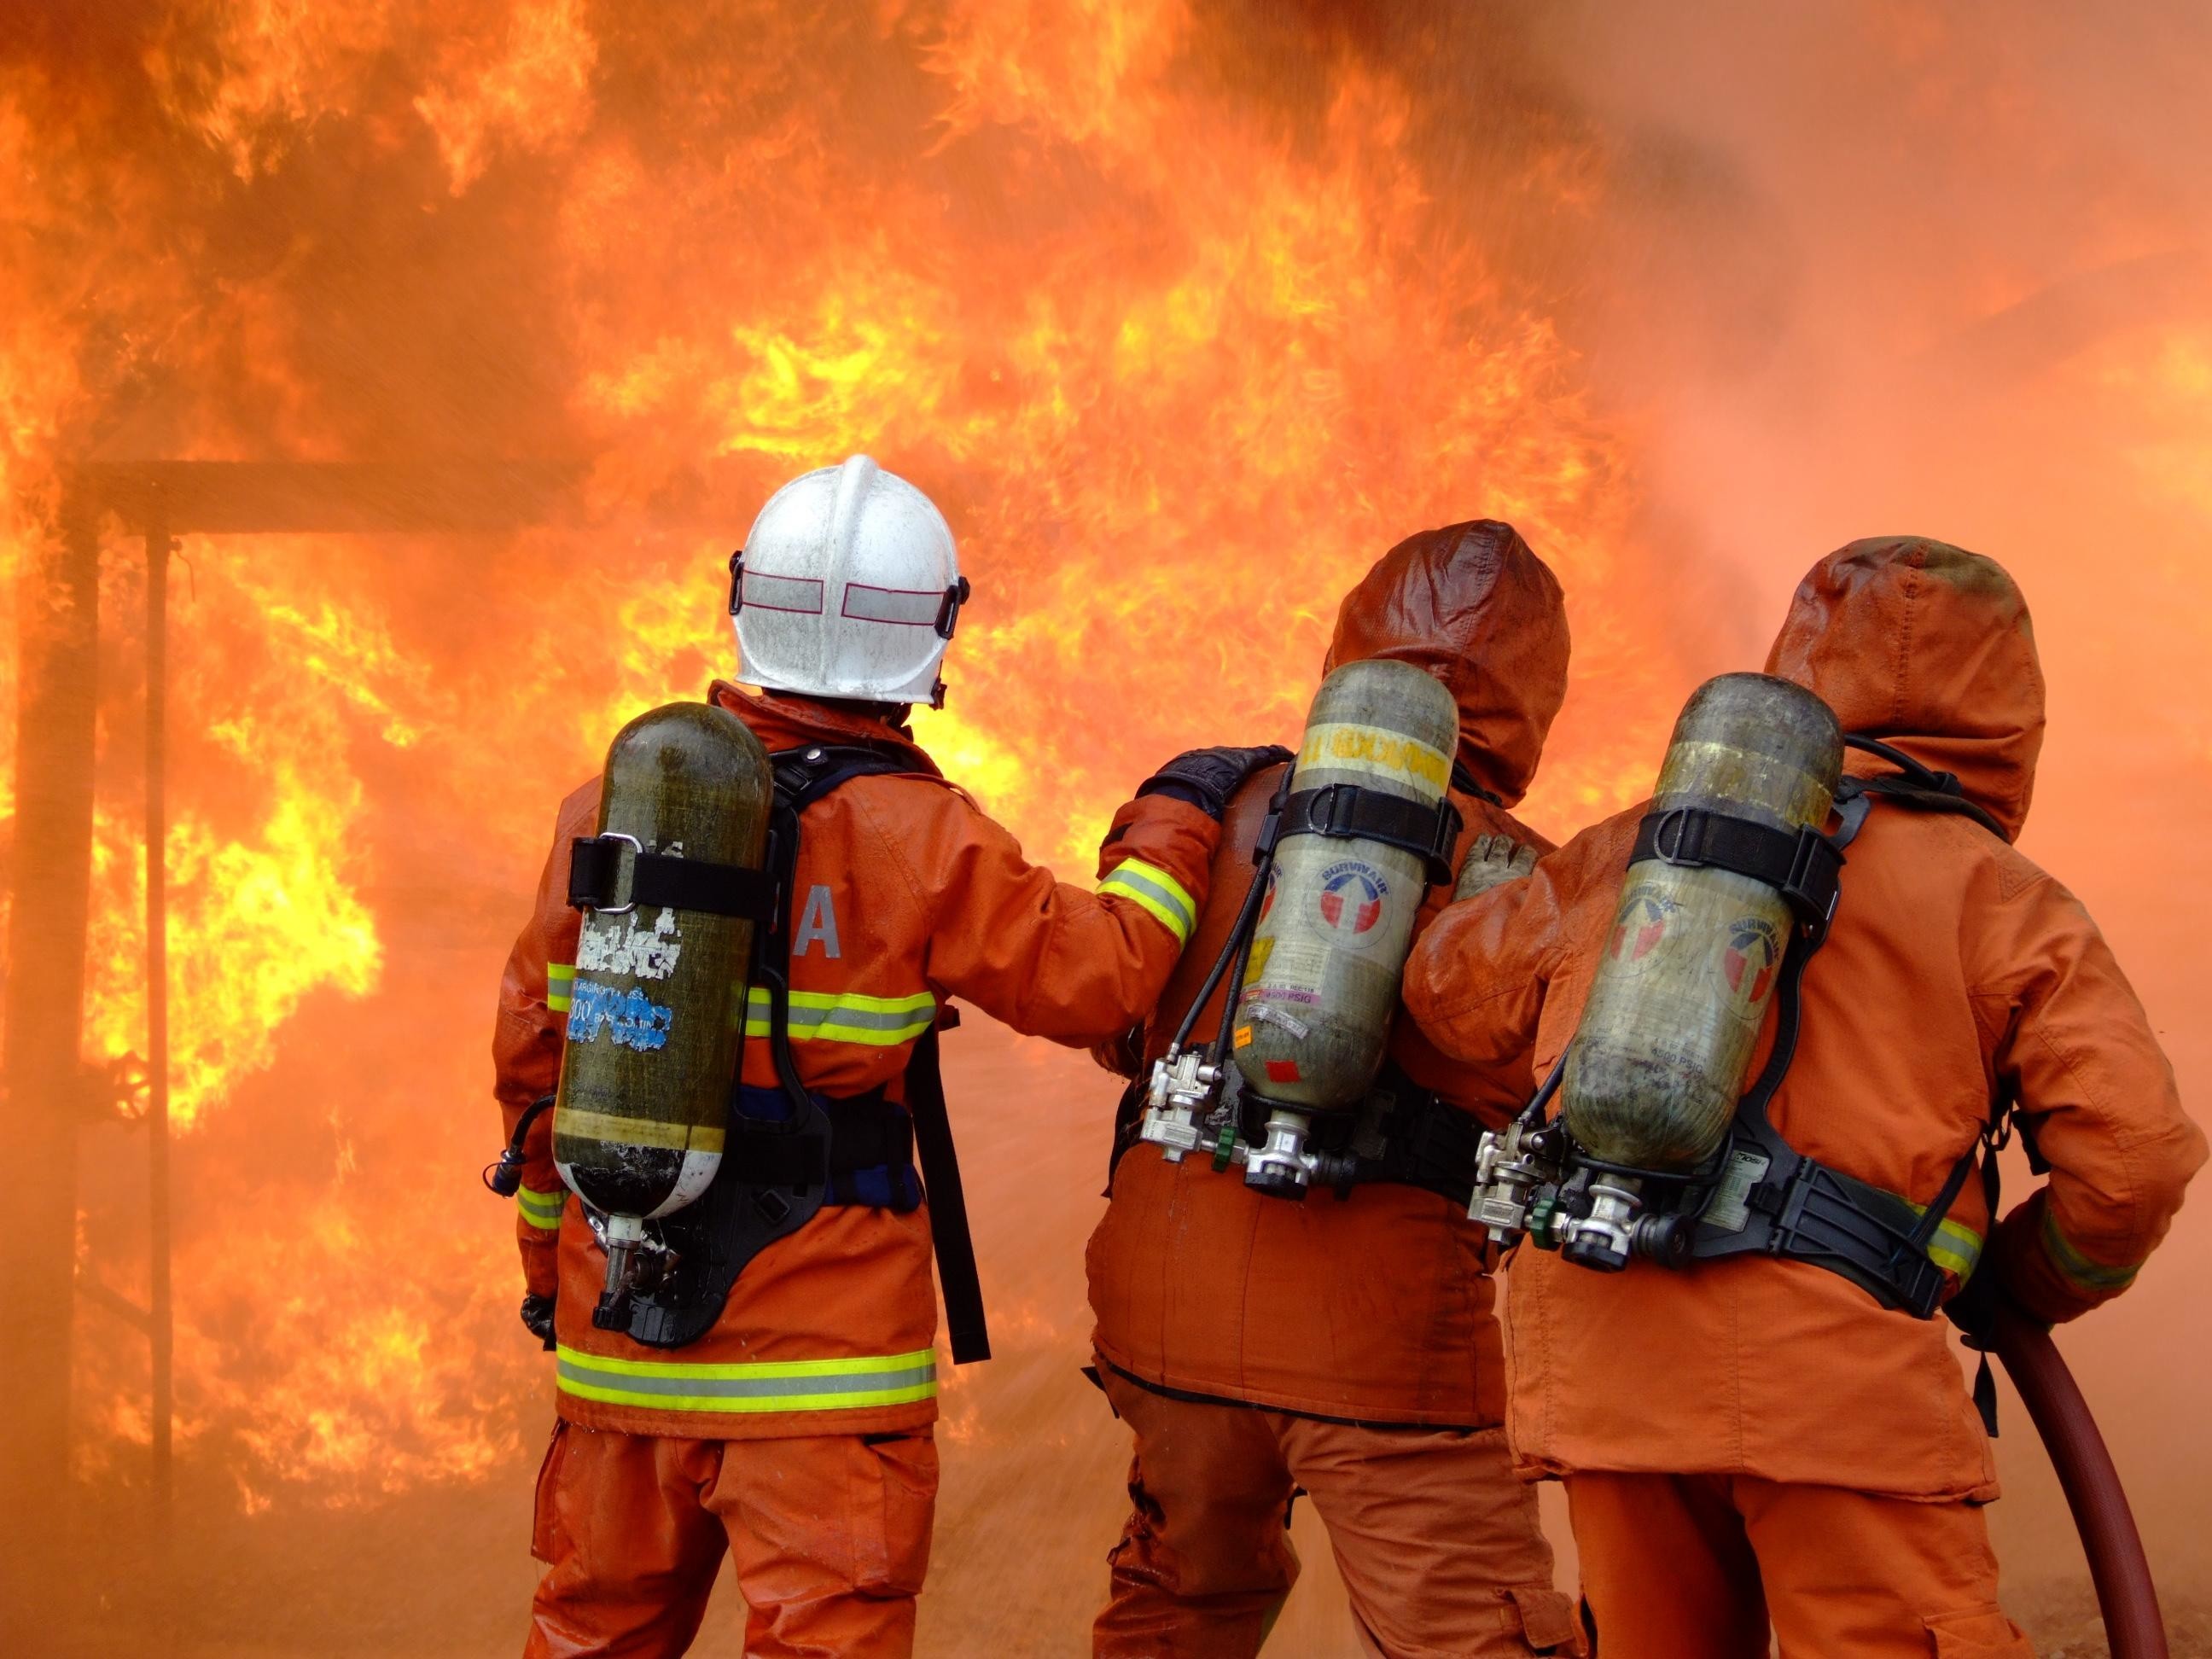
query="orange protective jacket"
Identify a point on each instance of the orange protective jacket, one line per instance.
(1956, 973)
(1376, 1308)
(906, 894)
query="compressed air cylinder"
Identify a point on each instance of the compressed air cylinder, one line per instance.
(1330, 943)
(1684, 975)
(657, 1017)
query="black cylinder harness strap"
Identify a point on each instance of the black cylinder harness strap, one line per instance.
(1758, 1195)
(596, 867)
(790, 1151)
(1346, 811)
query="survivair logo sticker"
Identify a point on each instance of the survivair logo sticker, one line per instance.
(1339, 748)
(1641, 923)
(1350, 902)
(607, 948)
(1754, 949)
(630, 1019)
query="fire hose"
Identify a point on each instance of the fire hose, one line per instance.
(2117, 1567)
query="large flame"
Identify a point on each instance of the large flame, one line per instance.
(1184, 313)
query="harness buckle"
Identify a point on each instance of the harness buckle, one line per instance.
(636, 850)
(1813, 888)
(1679, 817)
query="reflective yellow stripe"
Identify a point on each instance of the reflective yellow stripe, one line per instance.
(2088, 1274)
(542, 1210)
(640, 1130)
(790, 1385)
(845, 1016)
(1160, 893)
(560, 984)
(1956, 1247)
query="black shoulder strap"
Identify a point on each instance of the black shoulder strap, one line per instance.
(1922, 788)
(1463, 781)
(804, 776)
(956, 1276)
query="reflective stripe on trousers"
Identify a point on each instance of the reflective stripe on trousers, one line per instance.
(792, 1385)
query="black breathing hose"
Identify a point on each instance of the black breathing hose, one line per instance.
(1246, 915)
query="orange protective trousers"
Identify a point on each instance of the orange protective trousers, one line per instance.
(829, 1536)
(1698, 1566)
(1438, 1543)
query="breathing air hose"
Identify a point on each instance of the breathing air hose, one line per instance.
(2125, 1596)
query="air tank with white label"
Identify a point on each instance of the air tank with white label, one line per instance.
(1330, 945)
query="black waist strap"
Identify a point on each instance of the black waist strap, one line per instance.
(1346, 811)
(1775, 1201)
(865, 1132)
(1803, 866)
(1426, 1142)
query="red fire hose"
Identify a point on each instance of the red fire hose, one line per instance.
(2125, 1595)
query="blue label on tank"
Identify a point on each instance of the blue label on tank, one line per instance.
(630, 1018)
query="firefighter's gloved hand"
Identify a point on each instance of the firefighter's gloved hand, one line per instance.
(538, 1319)
(1123, 1054)
(1974, 1308)
(1492, 861)
(1206, 778)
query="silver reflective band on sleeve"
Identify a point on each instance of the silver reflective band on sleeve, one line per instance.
(1157, 891)
(799, 594)
(907, 606)
(792, 1385)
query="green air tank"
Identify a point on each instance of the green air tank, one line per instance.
(656, 1020)
(1685, 973)
(1330, 943)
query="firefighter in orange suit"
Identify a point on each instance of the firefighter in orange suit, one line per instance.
(1753, 1440)
(820, 1370)
(1344, 1347)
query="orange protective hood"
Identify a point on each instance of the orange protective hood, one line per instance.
(1471, 605)
(1928, 647)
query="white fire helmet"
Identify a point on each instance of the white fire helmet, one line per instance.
(848, 585)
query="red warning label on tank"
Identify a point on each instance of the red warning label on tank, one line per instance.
(1352, 898)
(1283, 1071)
